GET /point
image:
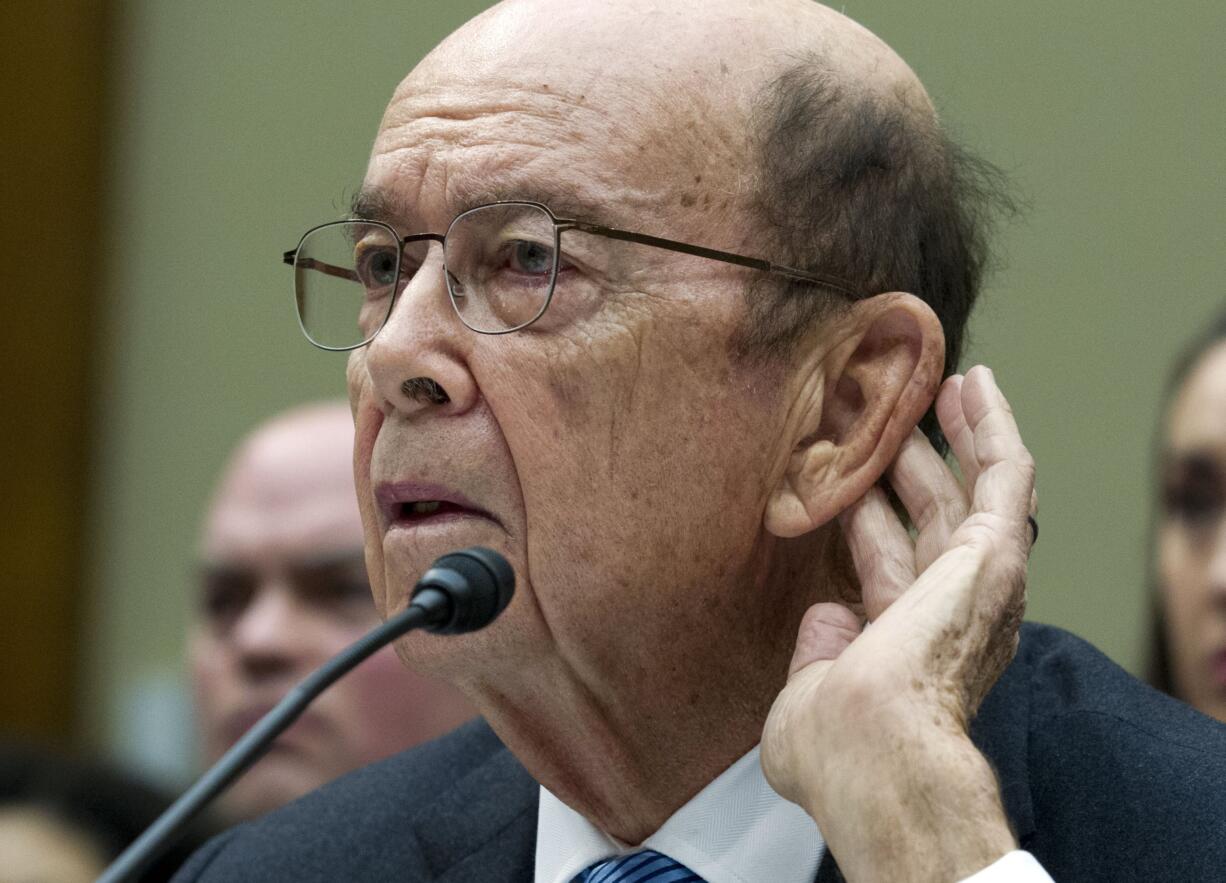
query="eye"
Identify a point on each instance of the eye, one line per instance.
(340, 589)
(531, 258)
(1192, 490)
(224, 596)
(1195, 506)
(344, 589)
(376, 267)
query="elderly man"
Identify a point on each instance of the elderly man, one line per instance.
(283, 587)
(651, 296)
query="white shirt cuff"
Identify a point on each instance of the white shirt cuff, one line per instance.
(1012, 867)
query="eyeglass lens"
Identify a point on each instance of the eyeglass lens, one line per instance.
(501, 263)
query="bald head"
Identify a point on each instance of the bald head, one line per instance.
(725, 51)
(667, 87)
(779, 128)
(288, 489)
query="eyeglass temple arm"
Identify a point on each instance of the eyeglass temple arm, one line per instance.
(711, 253)
(291, 258)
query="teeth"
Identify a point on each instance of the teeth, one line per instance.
(424, 507)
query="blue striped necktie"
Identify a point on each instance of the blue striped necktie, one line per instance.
(640, 867)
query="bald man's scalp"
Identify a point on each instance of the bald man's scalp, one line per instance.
(676, 80)
(303, 449)
(792, 132)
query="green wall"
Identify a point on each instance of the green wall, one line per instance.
(238, 125)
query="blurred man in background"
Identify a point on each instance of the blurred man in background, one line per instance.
(282, 587)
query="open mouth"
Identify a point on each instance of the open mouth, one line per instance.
(416, 504)
(419, 511)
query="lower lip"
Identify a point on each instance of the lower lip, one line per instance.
(436, 520)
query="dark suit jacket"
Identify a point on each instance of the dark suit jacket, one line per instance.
(1102, 777)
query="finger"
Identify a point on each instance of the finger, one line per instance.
(1005, 484)
(989, 416)
(825, 632)
(957, 431)
(933, 497)
(880, 549)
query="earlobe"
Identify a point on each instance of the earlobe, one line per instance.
(789, 510)
(879, 379)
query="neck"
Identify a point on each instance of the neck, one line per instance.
(627, 756)
(626, 768)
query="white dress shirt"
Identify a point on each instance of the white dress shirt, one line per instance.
(736, 830)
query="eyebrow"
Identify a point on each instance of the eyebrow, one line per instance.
(565, 201)
(377, 204)
(1190, 460)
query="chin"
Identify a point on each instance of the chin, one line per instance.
(498, 652)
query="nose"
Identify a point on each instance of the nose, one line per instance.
(417, 361)
(273, 638)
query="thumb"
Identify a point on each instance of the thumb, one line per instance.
(825, 632)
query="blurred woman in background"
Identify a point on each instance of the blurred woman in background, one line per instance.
(1188, 645)
(64, 819)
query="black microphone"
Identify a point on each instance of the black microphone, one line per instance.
(461, 592)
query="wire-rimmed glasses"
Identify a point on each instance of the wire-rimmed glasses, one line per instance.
(500, 262)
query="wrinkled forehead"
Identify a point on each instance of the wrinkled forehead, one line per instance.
(449, 146)
(515, 107)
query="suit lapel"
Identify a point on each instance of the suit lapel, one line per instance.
(828, 871)
(484, 826)
(1001, 730)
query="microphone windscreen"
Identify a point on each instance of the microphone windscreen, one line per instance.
(484, 590)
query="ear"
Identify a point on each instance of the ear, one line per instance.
(877, 378)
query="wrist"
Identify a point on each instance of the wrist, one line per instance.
(919, 804)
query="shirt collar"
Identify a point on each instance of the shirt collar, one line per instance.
(736, 830)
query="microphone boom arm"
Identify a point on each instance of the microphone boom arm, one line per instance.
(255, 743)
(463, 591)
